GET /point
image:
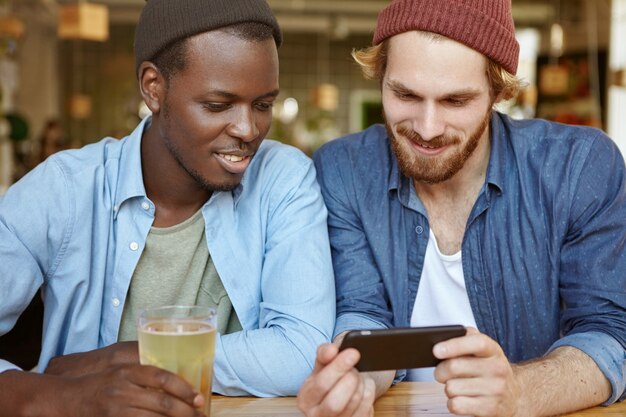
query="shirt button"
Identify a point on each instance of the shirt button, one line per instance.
(145, 206)
(116, 302)
(419, 230)
(134, 246)
(115, 208)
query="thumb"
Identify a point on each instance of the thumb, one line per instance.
(325, 355)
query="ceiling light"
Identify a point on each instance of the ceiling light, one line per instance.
(85, 21)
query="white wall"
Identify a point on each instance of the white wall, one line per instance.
(36, 96)
(616, 125)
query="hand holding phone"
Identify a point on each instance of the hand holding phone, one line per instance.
(399, 348)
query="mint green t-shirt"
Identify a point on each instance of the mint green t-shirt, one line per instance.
(175, 268)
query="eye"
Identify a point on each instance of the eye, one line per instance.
(216, 107)
(404, 96)
(264, 105)
(456, 102)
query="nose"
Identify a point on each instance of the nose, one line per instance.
(429, 122)
(243, 126)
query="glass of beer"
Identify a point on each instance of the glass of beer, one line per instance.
(180, 339)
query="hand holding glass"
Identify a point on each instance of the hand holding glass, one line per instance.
(180, 339)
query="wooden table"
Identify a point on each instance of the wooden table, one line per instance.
(407, 399)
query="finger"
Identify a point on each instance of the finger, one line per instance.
(366, 406)
(125, 390)
(473, 406)
(161, 403)
(470, 367)
(475, 344)
(325, 354)
(160, 379)
(319, 384)
(464, 367)
(475, 387)
(471, 330)
(337, 399)
(343, 363)
(355, 400)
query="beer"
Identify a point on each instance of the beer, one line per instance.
(184, 346)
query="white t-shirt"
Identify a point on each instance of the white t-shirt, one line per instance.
(441, 297)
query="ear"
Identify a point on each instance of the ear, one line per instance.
(152, 86)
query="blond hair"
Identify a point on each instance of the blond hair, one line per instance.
(373, 63)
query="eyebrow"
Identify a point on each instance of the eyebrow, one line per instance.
(466, 93)
(229, 95)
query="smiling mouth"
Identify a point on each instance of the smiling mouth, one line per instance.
(234, 164)
(430, 150)
(426, 146)
(232, 158)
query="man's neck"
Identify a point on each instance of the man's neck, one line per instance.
(175, 194)
(449, 203)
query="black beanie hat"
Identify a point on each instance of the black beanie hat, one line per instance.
(163, 22)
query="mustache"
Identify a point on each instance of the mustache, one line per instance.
(246, 148)
(436, 142)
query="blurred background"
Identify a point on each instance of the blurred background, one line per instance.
(67, 79)
(67, 71)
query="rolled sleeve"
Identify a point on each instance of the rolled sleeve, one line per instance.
(8, 366)
(607, 353)
(283, 291)
(593, 259)
(355, 321)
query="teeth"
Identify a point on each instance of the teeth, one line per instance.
(232, 158)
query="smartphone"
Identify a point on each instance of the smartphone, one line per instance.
(399, 348)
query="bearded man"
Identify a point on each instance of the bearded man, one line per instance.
(454, 213)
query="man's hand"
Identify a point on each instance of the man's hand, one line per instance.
(119, 391)
(479, 379)
(77, 364)
(336, 388)
(132, 390)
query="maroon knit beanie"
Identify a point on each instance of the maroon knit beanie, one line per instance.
(484, 25)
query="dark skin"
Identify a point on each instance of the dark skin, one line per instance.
(208, 121)
(216, 117)
(123, 390)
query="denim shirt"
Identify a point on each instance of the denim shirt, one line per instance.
(544, 250)
(76, 226)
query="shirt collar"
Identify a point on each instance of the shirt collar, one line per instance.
(394, 182)
(497, 160)
(130, 181)
(401, 185)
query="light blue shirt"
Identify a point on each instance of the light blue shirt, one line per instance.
(77, 224)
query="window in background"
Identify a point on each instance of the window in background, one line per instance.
(617, 91)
